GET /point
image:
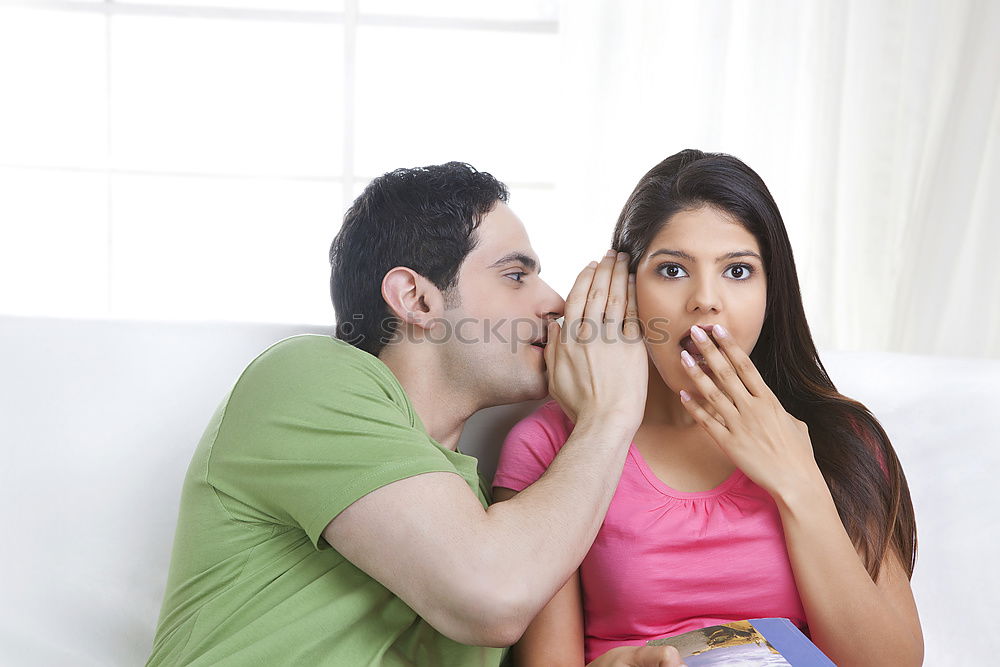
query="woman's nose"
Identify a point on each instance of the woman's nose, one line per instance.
(705, 297)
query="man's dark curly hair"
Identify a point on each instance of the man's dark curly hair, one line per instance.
(422, 218)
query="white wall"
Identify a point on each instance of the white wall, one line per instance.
(192, 160)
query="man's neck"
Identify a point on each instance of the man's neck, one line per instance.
(443, 405)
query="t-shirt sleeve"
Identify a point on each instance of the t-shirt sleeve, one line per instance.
(530, 447)
(309, 428)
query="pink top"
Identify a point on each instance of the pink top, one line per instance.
(664, 561)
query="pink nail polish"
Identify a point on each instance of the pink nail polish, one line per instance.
(687, 359)
(720, 331)
(698, 333)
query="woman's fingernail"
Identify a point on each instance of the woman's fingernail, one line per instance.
(698, 333)
(685, 396)
(720, 331)
(592, 265)
(611, 252)
(687, 359)
(623, 255)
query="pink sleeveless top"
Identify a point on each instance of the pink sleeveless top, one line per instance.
(664, 561)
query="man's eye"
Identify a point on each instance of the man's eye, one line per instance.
(519, 276)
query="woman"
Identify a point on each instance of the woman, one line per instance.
(752, 487)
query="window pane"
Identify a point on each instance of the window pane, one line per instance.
(549, 232)
(476, 9)
(223, 249)
(54, 88)
(428, 96)
(53, 243)
(238, 97)
(311, 5)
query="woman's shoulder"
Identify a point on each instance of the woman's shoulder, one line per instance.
(531, 446)
(549, 418)
(543, 432)
(552, 411)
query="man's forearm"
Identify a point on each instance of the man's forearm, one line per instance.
(535, 541)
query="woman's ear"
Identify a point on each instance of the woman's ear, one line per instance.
(412, 298)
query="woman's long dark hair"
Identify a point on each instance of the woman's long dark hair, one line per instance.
(851, 448)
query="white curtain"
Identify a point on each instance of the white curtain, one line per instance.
(875, 123)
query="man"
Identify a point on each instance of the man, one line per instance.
(327, 517)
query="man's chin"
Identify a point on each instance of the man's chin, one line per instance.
(519, 393)
(515, 379)
(535, 394)
(538, 388)
(538, 394)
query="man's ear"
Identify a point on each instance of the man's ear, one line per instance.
(411, 297)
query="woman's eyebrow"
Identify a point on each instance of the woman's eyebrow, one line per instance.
(517, 256)
(684, 255)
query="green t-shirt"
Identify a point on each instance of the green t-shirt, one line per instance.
(311, 425)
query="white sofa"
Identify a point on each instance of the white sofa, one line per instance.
(98, 420)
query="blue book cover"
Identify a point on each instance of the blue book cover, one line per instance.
(757, 641)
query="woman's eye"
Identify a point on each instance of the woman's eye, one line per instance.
(734, 272)
(740, 271)
(671, 271)
(520, 276)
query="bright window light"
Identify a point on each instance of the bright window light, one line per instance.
(192, 160)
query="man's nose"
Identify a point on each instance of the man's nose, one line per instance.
(554, 305)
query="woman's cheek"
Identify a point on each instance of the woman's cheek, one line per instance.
(670, 369)
(655, 336)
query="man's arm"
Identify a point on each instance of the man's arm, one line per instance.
(479, 576)
(555, 637)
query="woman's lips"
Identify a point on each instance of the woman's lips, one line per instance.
(687, 343)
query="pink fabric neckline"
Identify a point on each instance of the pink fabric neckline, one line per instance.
(660, 486)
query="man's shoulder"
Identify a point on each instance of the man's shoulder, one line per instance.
(314, 348)
(306, 360)
(315, 374)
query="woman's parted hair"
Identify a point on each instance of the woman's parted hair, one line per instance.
(851, 448)
(422, 218)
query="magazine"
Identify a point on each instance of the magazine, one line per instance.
(757, 641)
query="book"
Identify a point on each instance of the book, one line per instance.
(757, 641)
